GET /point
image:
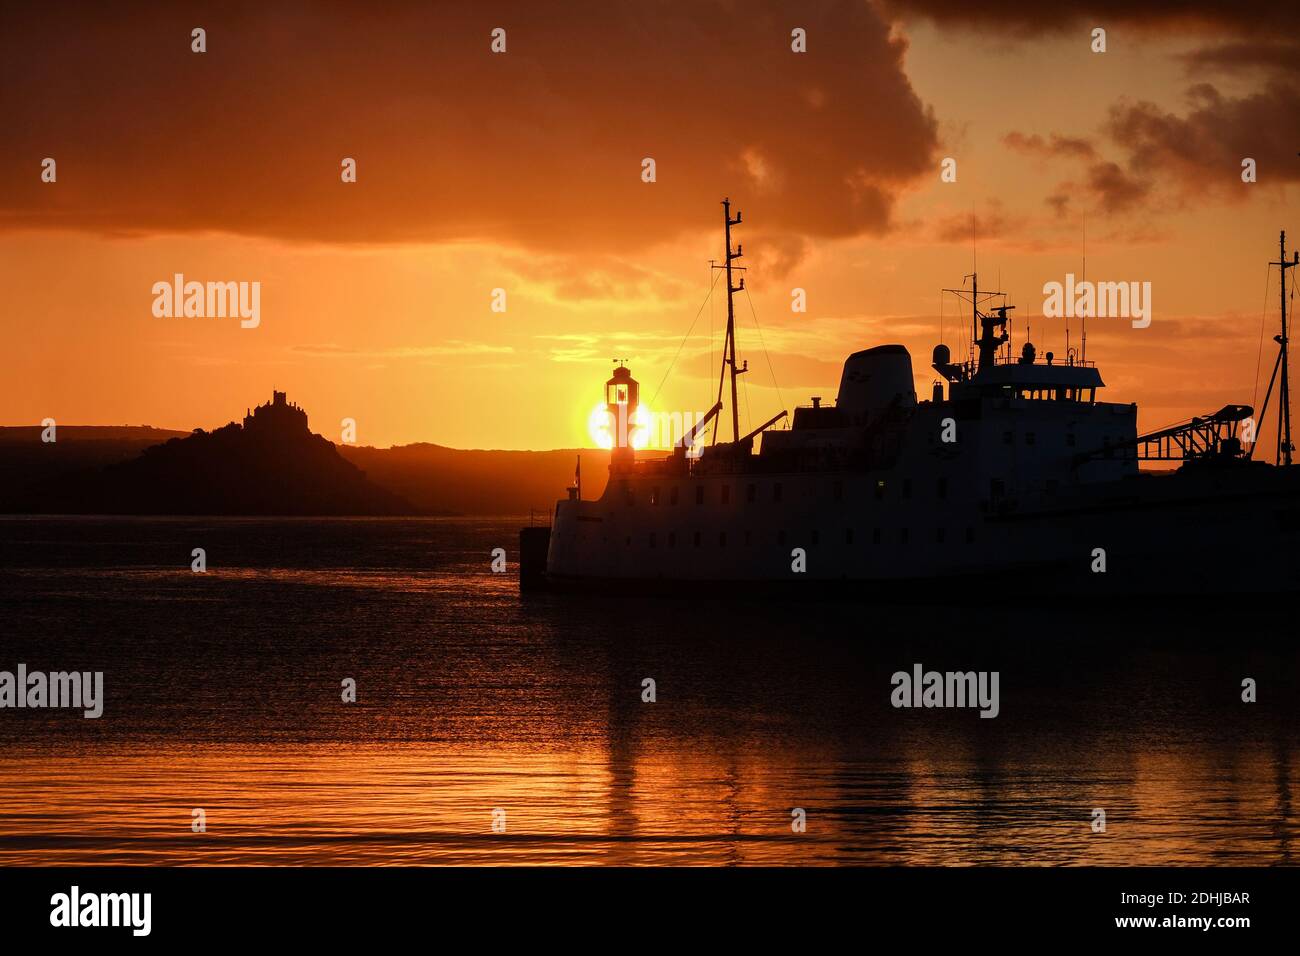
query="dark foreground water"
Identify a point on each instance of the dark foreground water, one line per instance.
(223, 692)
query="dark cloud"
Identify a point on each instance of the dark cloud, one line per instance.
(1167, 157)
(1246, 57)
(1115, 190)
(1054, 146)
(1252, 17)
(990, 225)
(1204, 147)
(540, 146)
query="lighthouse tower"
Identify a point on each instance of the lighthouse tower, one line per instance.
(622, 396)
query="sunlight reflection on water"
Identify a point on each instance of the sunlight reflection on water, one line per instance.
(223, 693)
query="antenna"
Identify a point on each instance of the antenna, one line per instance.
(1084, 278)
(985, 326)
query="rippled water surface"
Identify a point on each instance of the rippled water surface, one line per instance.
(223, 693)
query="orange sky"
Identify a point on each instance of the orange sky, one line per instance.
(522, 171)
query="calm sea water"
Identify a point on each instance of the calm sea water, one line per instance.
(223, 693)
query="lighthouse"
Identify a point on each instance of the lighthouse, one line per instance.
(622, 396)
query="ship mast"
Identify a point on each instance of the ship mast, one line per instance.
(1284, 445)
(729, 345)
(1284, 430)
(983, 326)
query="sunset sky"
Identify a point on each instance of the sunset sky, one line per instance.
(522, 171)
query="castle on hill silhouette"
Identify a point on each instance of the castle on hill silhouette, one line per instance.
(277, 415)
(271, 465)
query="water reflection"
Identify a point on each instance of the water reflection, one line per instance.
(223, 693)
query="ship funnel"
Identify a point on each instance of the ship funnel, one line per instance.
(874, 380)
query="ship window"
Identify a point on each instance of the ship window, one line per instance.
(875, 536)
(722, 539)
(776, 491)
(699, 494)
(672, 495)
(942, 489)
(697, 539)
(837, 491)
(654, 496)
(907, 487)
(751, 493)
(726, 493)
(848, 535)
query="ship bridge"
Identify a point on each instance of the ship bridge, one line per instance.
(1044, 381)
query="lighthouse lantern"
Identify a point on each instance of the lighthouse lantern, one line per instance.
(622, 396)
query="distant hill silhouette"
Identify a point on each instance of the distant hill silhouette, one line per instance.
(437, 479)
(270, 465)
(273, 464)
(28, 465)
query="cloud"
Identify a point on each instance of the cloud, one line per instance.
(990, 225)
(1114, 188)
(452, 347)
(1167, 158)
(598, 281)
(1055, 146)
(1246, 56)
(1204, 147)
(1032, 17)
(540, 146)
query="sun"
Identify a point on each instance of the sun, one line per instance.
(602, 428)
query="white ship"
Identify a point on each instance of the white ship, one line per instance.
(1013, 470)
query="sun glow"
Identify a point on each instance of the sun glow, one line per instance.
(603, 427)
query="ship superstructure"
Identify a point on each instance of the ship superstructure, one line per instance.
(1013, 465)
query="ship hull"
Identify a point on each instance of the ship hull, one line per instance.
(1197, 532)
